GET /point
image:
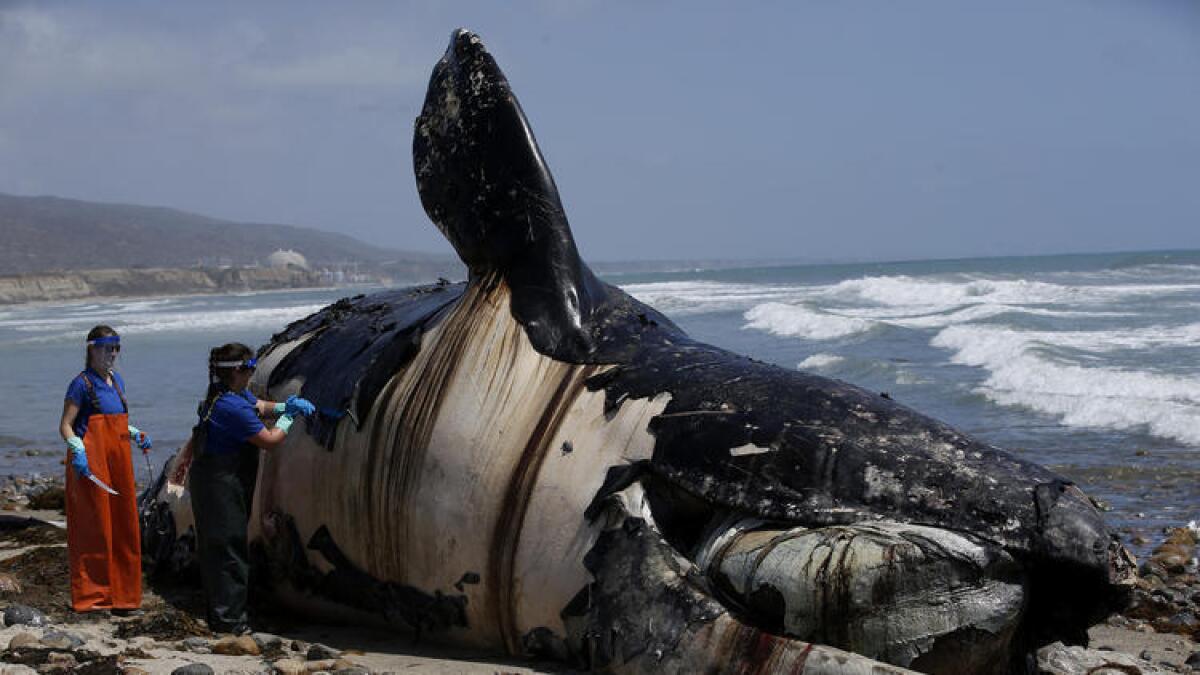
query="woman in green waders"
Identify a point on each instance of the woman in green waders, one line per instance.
(225, 447)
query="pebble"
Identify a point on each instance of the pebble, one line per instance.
(288, 667)
(196, 644)
(62, 658)
(135, 653)
(347, 668)
(267, 641)
(9, 584)
(16, 669)
(1184, 623)
(243, 645)
(194, 669)
(1173, 557)
(1182, 535)
(320, 652)
(61, 640)
(24, 615)
(23, 640)
(1058, 659)
(51, 498)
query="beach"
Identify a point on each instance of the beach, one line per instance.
(1085, 364)
(170, 632)
(41, 634)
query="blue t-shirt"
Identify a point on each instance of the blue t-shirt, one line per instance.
(106, 396)
(233, 421)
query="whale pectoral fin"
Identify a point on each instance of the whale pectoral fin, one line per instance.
(922, 597)
(484, 183)
(648, 612)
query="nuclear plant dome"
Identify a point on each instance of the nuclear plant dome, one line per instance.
(287, 258)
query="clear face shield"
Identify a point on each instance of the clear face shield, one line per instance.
(244, 365)
(104, 351)
(242, 369)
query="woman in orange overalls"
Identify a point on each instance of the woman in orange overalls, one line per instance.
(103, 541)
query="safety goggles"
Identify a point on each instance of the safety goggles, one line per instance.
(245, 365)
(108, 343)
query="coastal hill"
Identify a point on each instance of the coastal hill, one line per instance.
(66, 249)
(52, 234)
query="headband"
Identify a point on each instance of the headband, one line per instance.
(106, 340)
(247, 363)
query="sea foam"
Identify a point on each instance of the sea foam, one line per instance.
(1021, 372)
(801, 321)
(135, 323)
(680, 298)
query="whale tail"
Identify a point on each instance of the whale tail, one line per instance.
(484, 183)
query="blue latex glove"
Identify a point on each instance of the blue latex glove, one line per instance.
(140, 439)
(284, 423)
(298, 406)
(79, 457)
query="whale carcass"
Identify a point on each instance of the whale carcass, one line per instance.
(534, 462)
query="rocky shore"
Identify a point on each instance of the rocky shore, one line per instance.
(41, 634)
(1157, 634)
(21, 288)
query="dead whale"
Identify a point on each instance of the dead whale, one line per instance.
(535, 462)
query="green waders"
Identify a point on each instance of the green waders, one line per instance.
(222, 487)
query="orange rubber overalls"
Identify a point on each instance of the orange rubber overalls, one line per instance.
(104, 544)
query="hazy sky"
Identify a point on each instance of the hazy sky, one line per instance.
(674, 129)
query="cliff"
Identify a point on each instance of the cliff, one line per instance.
(20, 288)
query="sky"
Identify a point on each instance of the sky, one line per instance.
(814, 130)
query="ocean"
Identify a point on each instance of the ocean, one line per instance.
(1089, 364)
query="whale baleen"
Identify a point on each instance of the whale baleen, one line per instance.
(536, 463)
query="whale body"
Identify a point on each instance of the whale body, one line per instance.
(536, 463)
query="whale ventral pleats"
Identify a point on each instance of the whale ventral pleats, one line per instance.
(484, 183)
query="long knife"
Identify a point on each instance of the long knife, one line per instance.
(101, 485)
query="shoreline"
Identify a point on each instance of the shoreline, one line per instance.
(32, 290)
(103, 299)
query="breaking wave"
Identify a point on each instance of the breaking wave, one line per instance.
(906, 291)
(134, 317)
(800, 321)
(1021, 372)
(681, 298)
